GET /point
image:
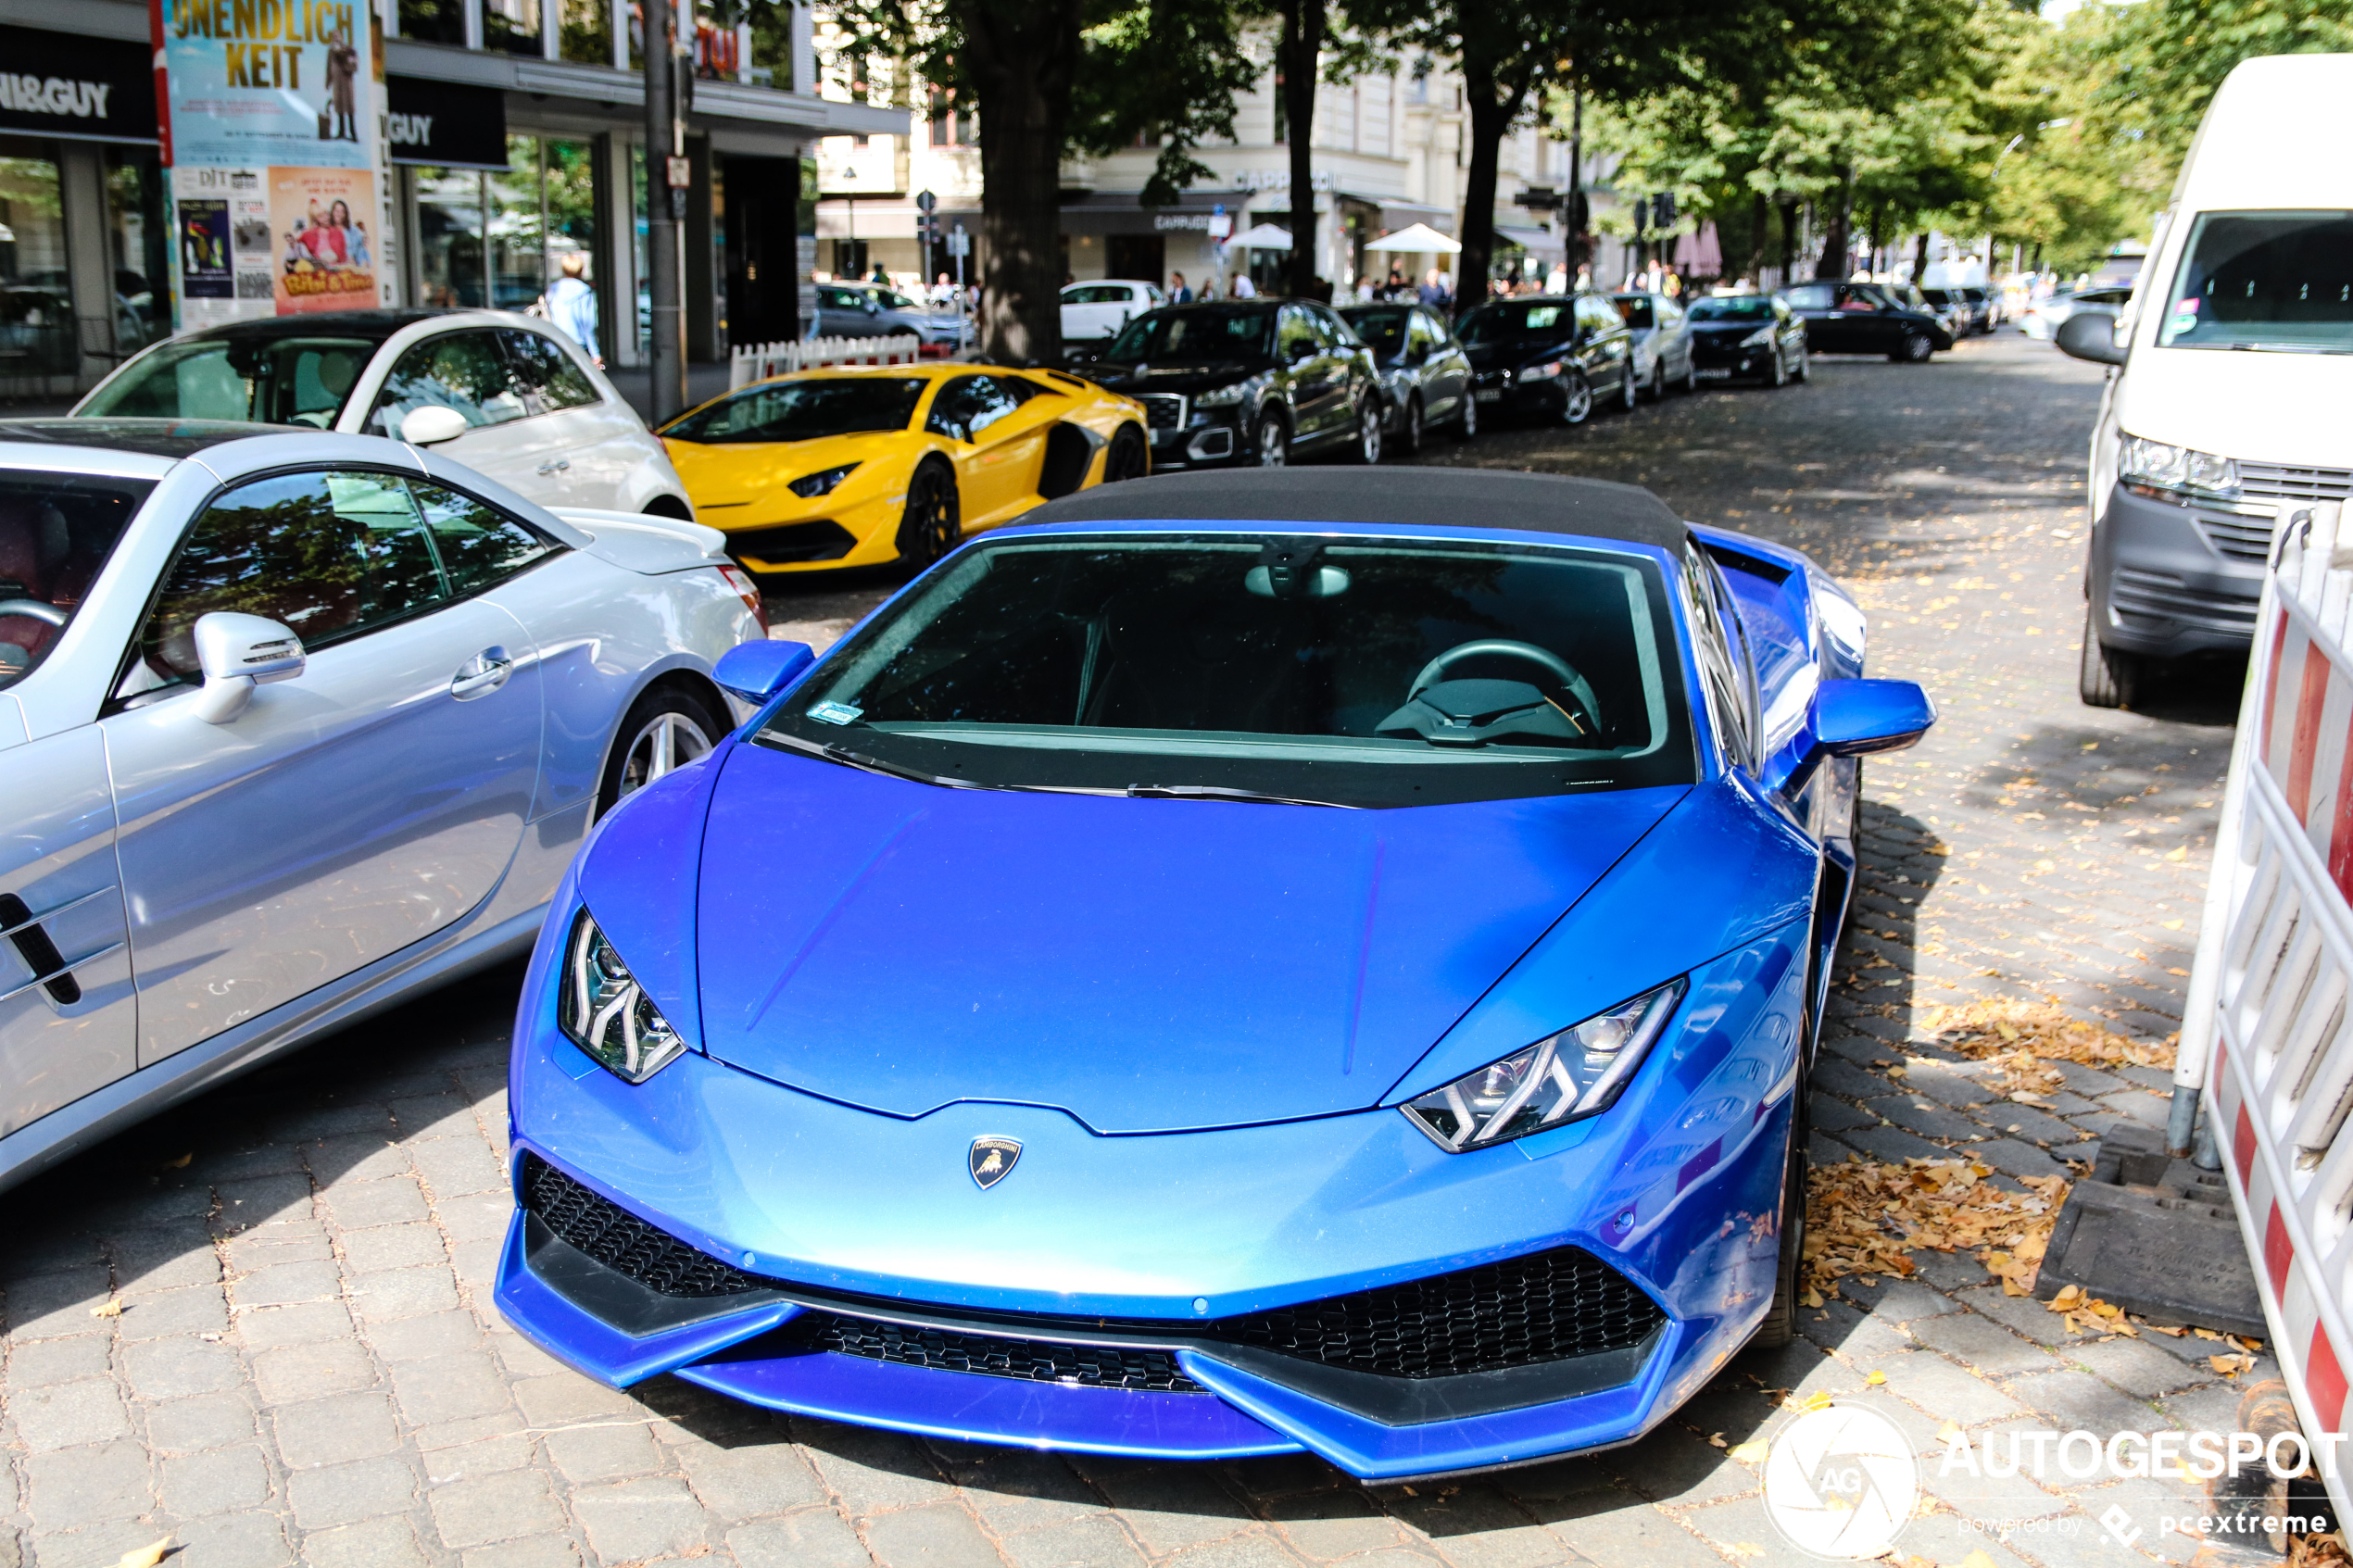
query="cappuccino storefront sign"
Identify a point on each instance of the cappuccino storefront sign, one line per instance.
(273, 126)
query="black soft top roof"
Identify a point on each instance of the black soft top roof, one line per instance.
(152, 438)
(1532, 503)
(374, 326)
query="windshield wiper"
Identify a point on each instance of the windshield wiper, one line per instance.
(1218, 792)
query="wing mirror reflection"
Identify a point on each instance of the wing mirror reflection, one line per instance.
(236, 654)
(431, 425)
(757, 672)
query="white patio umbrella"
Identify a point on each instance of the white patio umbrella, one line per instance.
(1419, 240)
(1260, 236)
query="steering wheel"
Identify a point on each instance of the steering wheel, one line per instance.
(1551, 662)
(32, 609)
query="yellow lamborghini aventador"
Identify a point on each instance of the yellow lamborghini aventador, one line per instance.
(853, 466)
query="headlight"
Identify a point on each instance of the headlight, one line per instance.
(1223, 396)
(1542, 372)
(2177, 467)
(808, 486)
(605, 1011)
(1758, 338)
(1567, 1077)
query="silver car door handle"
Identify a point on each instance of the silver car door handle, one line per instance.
(553, 466)
(482, 674)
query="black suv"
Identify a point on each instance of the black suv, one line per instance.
(1549, 355)
(1244, 383)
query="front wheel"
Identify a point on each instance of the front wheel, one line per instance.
(1365, 448)
(1780, 1327)
(1409, 429)
(1271, 445)
(1466, 421)
(1577, 398)
(1691, 372)
(933, 523)
(1915, 349)
(1128, 456)
(1658, 381)
(663, 730)
(2110, 677)
(1629, 394)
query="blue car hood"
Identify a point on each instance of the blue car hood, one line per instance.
(1144, 965)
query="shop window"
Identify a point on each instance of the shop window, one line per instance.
(136, 241)
(500, 237)
(511, 27)
(450, 238)
(515, 229)
(584, 32)
(37, 334)
(950, 126)
(433, 21)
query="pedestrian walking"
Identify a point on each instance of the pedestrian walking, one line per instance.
(571, 306)
(1432, 292)
(1177, 292)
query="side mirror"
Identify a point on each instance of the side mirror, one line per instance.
(1858, 718)
(1300, 349)
(432, 425)
(2091, 336)
(756, 671)
(238, 653)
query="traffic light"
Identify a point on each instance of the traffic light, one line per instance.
(1663, 208)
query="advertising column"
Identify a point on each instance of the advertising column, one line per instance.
(273, 113)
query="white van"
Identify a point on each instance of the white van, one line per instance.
(2232, 406)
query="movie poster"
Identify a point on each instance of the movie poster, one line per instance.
(205, 266)
(319, 222)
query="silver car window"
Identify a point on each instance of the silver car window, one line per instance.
(57, 531)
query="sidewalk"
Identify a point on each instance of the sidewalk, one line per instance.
(703, 383)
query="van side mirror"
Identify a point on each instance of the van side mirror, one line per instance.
(2091, 336)
(757, 672)
(236, 654)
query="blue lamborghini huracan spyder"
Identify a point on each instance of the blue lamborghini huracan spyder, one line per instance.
(1239, 964)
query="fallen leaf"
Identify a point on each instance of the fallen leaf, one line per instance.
(2183, 853)
(1977, 1559)
(1716, 1439)
(145, 1556)
(2206, 1334)
(1752, 1452)
(1876, 1379)
(111, 1309)
(1746, 1549)
(1948, 1433)
(179, 1164)
(1811, 1298)
(2230, 1366)
(2183, 973)
(2170, 1333)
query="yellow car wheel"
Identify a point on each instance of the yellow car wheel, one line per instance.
(932, 523)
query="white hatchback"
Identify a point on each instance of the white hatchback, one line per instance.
(498, 392)
(1099, 309)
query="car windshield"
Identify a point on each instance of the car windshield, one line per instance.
(56, 530)
(1383, 330)
(1937, 296)
(1365, 672)
(275, 380)
(1635, 310)
(1196, 335)
(802, 410)
(1502, 322)
(1750, 308)
(890, 299)
(2279, 281)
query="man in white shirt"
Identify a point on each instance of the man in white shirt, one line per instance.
(1244, 287)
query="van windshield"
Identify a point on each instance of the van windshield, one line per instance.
(2277, 280)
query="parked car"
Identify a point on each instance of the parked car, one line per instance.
(501, 392)
(1425, 374)
(853, 310)
(1970, 307)
(1744, 336)
(855, 466)
(2044, 317)
(1231, 1109)
(1094, 311)
(1662, 341)
(299, 723)
(1866, 319)
(1248, 383)
(2223, 418)
(1549, 355)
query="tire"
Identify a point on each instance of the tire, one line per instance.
(1805, 370)
(933, 523)
(1130, 458)
(1271, 442)
(1780, 1327)
(1778, 377)
(1691, 374)
(663, 729)
(1466, 419)
(1915, 350)
(1577, 398)
(1629, 394)
(1409, 429)
(1658, 381)
(1364, 450)
(2110, 677)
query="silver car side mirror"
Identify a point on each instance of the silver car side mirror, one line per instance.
(238, 653)
(432, 425)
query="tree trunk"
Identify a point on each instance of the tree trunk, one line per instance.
(1020, 56)
(1759, 215)
(1839, 240)
(1301, 54)
(1919, 259)
(1493, 106)
(1789, 245)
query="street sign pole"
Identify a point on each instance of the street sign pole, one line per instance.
(665, 172)
(960, 245)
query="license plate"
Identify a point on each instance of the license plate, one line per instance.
(1706, 374)
(1487, 394)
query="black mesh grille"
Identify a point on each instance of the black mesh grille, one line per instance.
(1543, 1308)
(1036, 1360)
(1163, 411)
(623, 1242)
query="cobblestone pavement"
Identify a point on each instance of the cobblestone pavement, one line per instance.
(307, 1365)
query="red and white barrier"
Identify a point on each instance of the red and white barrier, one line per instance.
(2268, 1031)
(758, 361)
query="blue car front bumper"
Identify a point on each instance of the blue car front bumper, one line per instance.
(1142, 1253)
